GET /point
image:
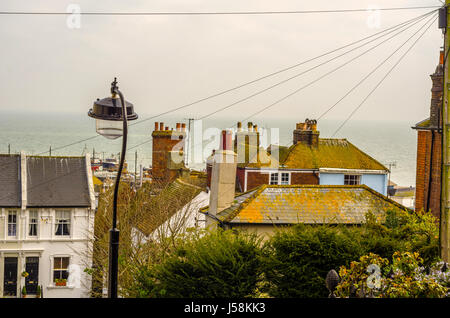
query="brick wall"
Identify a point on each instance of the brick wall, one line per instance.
(423, 189)
(304, 178)
(164, 141)
(255, 179)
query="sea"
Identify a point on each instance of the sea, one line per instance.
(73, 134)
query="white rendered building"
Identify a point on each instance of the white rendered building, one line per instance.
(47, 209)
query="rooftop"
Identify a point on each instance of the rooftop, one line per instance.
(330, 153)
(50, 181)
(310, 204)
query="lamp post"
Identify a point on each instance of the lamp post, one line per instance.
(112, 115)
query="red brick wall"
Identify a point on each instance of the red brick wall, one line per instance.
(255, 179)
(162, 144)
(423, 172)
(304, 178)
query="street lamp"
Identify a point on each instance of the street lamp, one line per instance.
(112, 114)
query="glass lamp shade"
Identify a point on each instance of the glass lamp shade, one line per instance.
(111, 129)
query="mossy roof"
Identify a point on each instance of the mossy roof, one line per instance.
(330, 153)
(310, 204)
(165, 204)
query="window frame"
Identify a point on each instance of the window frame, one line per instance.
(348, 179)
(30, 223)
(68, 223)
(279, 178)
(272, 179)
(53, 269)
(8, 224)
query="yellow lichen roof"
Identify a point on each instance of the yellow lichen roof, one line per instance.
(309, 204)
(330, 153)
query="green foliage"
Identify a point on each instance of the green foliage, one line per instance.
(292, 263)
(213, 264)
(299, 258)
(402, 278)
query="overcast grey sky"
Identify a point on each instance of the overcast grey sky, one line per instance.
(163, 62)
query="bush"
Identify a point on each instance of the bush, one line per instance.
(404, 278)
(299, 258)
(218, 264)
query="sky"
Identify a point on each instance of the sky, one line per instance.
(163, 62)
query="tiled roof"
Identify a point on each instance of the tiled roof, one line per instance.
(10, 188)
(311, 204)
(165, 204)
(330, 153)
(57, 182)
(50, 182)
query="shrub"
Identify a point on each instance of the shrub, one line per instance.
(218, 264)
(298, 259)
(402, 278)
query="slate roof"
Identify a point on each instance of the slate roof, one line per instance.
(10, 188)
(50, 182)
(330, 153)
(310, 204)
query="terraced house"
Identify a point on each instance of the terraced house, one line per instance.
(47, 208)
(310, 160)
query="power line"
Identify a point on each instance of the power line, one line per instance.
(381, 81)
(275, 73)
(369, 74)
(244, 84)
(392, 29)
(328, 73)
(111, 13)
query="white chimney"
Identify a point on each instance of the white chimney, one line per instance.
(223, 176)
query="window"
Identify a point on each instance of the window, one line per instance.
(60, 268)
(351, 179)
(274, 178)
(62, 222)
(12, 223)
(279, 178)
(33, 223)
(285, 178)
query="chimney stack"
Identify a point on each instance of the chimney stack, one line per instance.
(223, 176)
(437, 91)
(167, 152)
(307, 133)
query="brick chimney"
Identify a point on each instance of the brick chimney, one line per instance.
(436, 92)
(223, 179)
(167, 152)
(429, 145)
(307, 133)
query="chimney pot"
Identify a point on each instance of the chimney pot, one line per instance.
(183, 127)
(167, 128)
(161, 126)
(178, 127)
(156, 126)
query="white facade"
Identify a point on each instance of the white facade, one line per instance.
(51, 244)
(47, 246)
